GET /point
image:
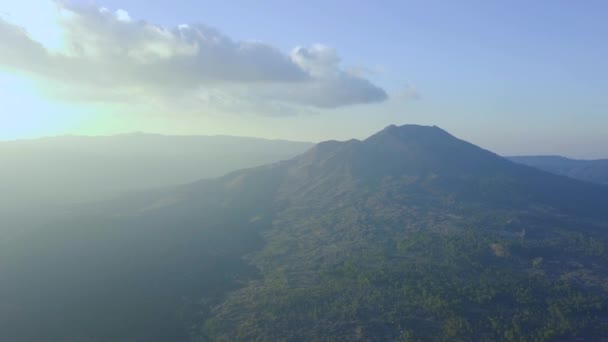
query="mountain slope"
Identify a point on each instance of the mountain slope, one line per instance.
(595, 171)
(54, 172)
(410, 234)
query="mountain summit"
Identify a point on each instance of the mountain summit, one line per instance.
(410, 150)
(430, 156)
(410, 234)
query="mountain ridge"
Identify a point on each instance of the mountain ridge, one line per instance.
(590, 170)
(413, 234)
(55, 173)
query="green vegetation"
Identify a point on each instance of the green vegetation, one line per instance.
(440, 287)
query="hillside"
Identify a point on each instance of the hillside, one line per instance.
(595, 171)
(50, 173)
(411, 234)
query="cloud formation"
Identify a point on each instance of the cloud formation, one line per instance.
(109, 52)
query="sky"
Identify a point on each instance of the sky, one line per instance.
(515, 77)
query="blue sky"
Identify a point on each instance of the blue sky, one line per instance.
(517, 77)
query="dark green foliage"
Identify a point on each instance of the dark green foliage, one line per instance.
(439, 287)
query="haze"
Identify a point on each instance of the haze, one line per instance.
(491, 72)
(205, 170)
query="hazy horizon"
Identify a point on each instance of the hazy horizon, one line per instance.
(271, 170)
(550, 153)
(490, 72)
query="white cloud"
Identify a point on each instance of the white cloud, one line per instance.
(108, 52)
(122, 15)
(319, 60)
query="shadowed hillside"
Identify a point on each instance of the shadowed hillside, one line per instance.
(51, 173)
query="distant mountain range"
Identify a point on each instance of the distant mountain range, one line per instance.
(595, 171)
(410, 234)
(52, 172)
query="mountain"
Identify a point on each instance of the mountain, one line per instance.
(410, 234)
(595, 171)
(54, 172)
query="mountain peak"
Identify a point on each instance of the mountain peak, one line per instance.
(410, 127)
(396, 151)
(411, 132)
(417, 146)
